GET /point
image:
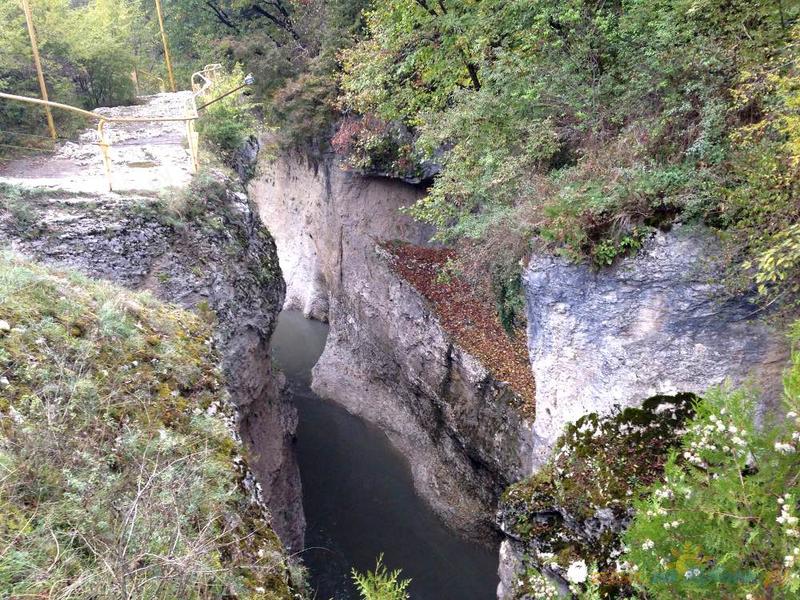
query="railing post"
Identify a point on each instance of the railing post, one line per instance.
(191, 135)
(166, 46)
(38, 63)
(101, 131)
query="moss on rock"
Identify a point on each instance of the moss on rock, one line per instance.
(576, 507)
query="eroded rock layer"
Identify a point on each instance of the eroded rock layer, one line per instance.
(387, 359)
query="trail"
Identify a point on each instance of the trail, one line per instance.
(145, 157)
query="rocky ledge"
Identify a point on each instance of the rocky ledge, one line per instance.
(204, 249)
(573, 510)
(656, 323)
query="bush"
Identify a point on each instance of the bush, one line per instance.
(372, 145)
(381, 584)
(228, 123)
(571, 513)
(724, 521)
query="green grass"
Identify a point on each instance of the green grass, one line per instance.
(118, 474)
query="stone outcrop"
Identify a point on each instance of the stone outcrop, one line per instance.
(656, 323)
(387, 359)
(207, 252)
(576, 507)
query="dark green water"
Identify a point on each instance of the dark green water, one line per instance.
(359, 499)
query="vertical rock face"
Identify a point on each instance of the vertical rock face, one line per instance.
(217, 260)
(387, 359)
(656, 323)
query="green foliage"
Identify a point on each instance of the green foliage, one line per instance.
(103, 43)
(119, 467)
(592, 122)
(381, 584)
(417, 55)
(88, 51)
(227, 123)
(597, 468)
(509, 297)
(723, 523)
(762, 199)
(303, 109)
(376, 146)
(289, 45)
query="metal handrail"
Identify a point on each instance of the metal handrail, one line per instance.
(162, 85)
(207, 75)
(190, 117)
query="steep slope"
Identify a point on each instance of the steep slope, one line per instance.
(200, 248)
(388, 359)
(122, 471)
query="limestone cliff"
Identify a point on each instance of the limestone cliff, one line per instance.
(387, 359)
(656, 323)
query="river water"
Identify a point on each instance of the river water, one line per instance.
(359, 498)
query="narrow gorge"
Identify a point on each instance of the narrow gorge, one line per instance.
(654, 325)
(400, 300)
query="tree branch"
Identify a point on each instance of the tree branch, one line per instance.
(222, 16)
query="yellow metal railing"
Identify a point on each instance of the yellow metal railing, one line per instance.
(138, 73)
(202, 82)
(189, 117)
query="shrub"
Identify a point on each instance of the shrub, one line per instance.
(509, 297)
(572, 512)
(381, 584)
(373, 145)
(761, 193)
(228, 123)
(724, 521)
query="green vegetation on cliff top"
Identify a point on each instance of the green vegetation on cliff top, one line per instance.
(120, 476)
(589, 124)
(652, 504)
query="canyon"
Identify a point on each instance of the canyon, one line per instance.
(659, 322)
(310, 236)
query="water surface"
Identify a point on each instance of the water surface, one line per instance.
(359, 499)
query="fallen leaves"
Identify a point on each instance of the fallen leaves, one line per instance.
(467, 316)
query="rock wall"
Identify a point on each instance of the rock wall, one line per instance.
(214, 258)
(387, 359)
(656, 323)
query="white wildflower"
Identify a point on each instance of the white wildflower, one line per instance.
(577, 572)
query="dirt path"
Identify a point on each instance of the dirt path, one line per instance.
(146, 157)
